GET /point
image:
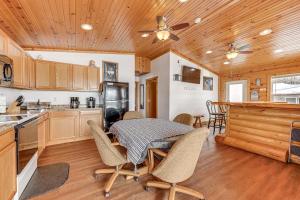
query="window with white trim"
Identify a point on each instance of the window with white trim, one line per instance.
(286, 88)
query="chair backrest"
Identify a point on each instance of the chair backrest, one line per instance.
(108, 152)
(132, 115)
(184, 118)
(181, 160)
(211, 107)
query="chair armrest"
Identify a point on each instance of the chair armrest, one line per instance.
(159, 152)
(115, 143)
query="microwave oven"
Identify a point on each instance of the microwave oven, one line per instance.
(6, 71)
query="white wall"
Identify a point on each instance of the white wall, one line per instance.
(160, 67)
(126, 74)
(188, 97)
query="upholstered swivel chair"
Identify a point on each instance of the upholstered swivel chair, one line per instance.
(132, 115)
(184, 118)
(179, 164)
(110, 155)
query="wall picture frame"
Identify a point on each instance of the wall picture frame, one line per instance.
(208, 83)
(110, 71)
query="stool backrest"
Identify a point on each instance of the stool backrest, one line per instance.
(211, 107)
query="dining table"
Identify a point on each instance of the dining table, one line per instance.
(139, 135)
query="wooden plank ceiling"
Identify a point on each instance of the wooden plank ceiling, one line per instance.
(55, 24)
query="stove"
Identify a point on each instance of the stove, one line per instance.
(16, 118)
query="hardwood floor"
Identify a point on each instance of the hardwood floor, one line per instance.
(222, 172)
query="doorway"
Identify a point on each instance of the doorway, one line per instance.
(151, 97)
(236, 91)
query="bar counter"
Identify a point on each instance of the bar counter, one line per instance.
(260, 127)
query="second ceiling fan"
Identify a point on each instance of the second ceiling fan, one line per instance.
(163, 31)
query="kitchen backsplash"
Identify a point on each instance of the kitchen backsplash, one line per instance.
(55, 97)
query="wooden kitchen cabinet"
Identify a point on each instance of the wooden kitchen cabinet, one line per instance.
(63, 76)
(93, 78)
(31, 71)
(8, 165)
(43, 132)
(16, 53)
(142, 65)
(3, 43)
(64, 126)
(44, 75)
(95, 115)
(79, 77)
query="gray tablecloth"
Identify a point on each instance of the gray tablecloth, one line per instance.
(138, 134)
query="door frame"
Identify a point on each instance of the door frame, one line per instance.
(245, 89)
(146, 95)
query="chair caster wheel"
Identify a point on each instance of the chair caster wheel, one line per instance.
(136, 179)
(146, 188)
(106, 194)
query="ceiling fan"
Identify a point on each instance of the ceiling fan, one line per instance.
(163, 31)
(233, 51)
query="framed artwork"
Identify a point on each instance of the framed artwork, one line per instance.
(208, 83)
(257, 82)
(142, 94)
(110, 71)
(254, 96)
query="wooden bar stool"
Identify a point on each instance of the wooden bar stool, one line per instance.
(198, 120)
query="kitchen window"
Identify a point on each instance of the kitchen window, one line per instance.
(286, 88)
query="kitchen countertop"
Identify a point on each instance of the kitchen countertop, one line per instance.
(7, 126)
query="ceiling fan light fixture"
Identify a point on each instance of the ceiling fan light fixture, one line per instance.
(86, 27)
(231, 55)
(197, 20)
(209, 52)
(265, 32)
(144, 35)
(163, 35)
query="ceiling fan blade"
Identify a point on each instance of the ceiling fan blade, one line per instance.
(179, 26)
(245, 52)
(174, 37)
(247, 46)
(155, 40)
(147, 31)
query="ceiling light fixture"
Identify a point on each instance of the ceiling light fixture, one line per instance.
(183, 1)
(232, 55)
(226, 63)
(86, 27)
(163, 35)
(278, 51)
(208, 52)
(144, 35)
(197, 20)
(265, 32)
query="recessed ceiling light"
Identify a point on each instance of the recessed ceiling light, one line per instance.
(226, 63)
(265, 32)
(208, 52)
(86, 27)
(183, 1)
(198, 20)
(278, 51)
(144, 35)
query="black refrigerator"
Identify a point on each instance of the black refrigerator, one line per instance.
(115, 102)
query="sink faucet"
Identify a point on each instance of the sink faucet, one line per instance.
(38, 102)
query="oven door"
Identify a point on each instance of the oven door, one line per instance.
(27, 142)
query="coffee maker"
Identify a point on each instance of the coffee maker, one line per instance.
(74, 103)
(91, 102)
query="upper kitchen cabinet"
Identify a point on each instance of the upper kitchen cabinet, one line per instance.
(17, 54)
(79, 77)
(142, 65)
(3, 43)
(93, 78)
(30, 67)
(44, 74)
(63, 76)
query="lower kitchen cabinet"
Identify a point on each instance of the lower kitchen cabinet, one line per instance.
(8, 165)
(85, 116)
(43, 132)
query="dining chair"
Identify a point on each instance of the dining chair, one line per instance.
(216, 116)
(112, 155)
(133, 115)
(184, 118)
(179, 164)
